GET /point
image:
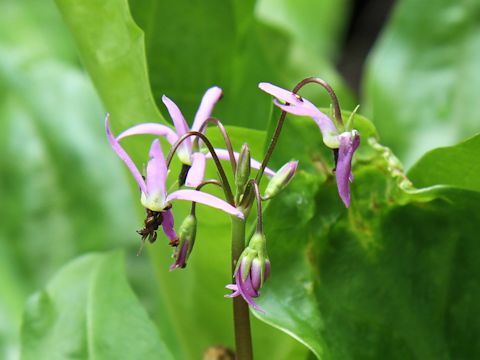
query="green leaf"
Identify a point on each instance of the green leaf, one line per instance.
(113, 51)
(88, 310)
(313, 24)
(454, 165)
(57, 194)
(422, 81)
(395, 276)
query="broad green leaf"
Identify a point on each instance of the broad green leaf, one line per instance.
(315, 24)
(454, 165)
(61, 191)
(193, 46)
(395, 276)
(113, 50)
(422, 81)
(88, 310)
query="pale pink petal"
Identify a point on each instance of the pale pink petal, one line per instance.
(122, 154)
(150, 129)
(205, 198)
(178, 120)
(156, 170)
(197, 171)
(323, 121)
(223, 155)
(299, 106)
(205, 109)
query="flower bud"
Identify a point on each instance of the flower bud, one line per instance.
(243, 169)
(281, 179)
(252, 270)
(186, 240)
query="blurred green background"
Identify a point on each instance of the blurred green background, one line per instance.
(64, 193)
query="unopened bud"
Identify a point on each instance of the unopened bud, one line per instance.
(186, 240)
(243, 169)
(281, 179)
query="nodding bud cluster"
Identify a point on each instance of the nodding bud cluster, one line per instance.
(242, 174)
(281, 179)
(186, 240)
(252, 270)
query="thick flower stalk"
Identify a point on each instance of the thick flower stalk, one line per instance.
(252, 270)
(344, 144)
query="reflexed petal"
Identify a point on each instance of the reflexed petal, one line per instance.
(223, 155)
(326, 125)
(197, 171)
(205, 109)
(156, 171)
(167, 225)
(282, 94)
(349, 142)
(178, 120)
(300, 106)
(122, 154)
(234, 288)
(150, 129)
(245, 289)
(204, 198)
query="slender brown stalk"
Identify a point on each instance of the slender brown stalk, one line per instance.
(226, 139)
(225, 184)
(199, 187)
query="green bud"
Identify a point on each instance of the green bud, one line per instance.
(243, 169)
(281, 179)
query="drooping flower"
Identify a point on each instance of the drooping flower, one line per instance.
(186, 239)
(192, 158)
(252, 270)
(344, 144)
(154, 196)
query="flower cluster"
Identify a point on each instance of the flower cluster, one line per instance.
(193, 149)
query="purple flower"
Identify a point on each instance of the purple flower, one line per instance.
(154, 196)
(193, 158)
(187, 233)
(344, 144)
(249, 286)
(252, 270)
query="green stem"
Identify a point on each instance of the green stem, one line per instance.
(241, 314)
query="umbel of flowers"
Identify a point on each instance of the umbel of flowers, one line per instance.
(193, 148)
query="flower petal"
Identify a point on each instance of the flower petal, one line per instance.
(300, 106)
(178, 120)
(204, 198)
(323, 121)
(247, 292)
(197, 171)
(150, 129)
(167, 225)
(223, 155)
(211, 97)
(122, 154)
(349, 142)
(156, 171)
